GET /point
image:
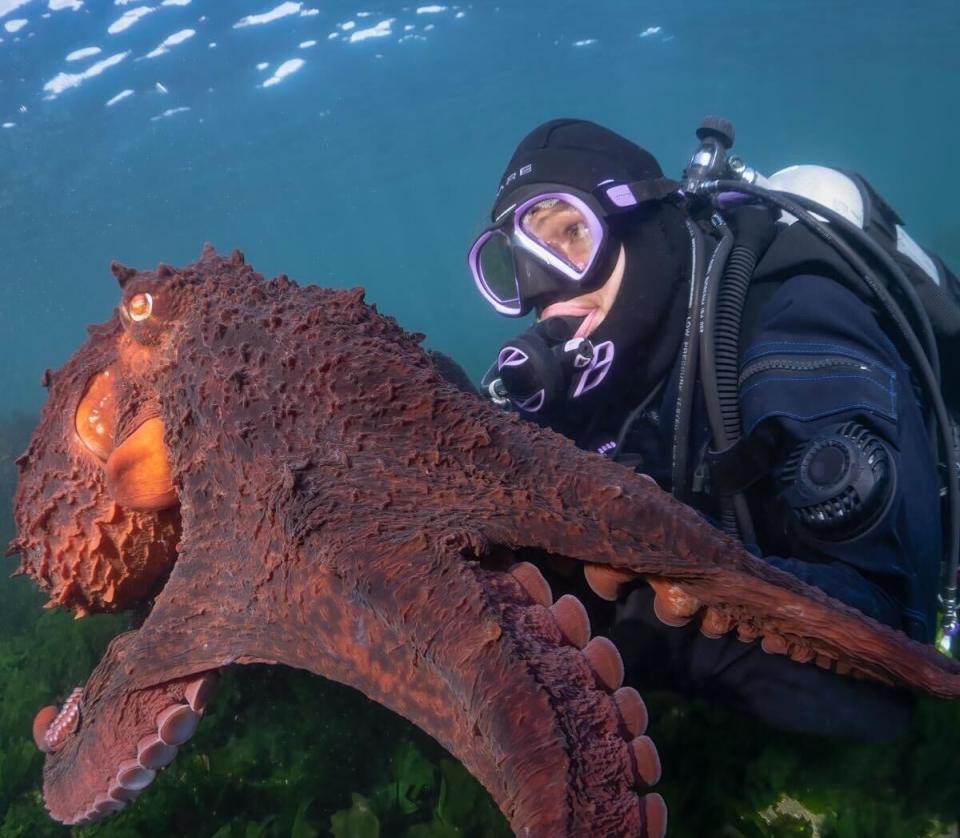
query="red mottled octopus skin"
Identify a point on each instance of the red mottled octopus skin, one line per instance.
(342, 508)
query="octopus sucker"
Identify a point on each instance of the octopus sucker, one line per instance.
(654, 815)
(533, 582)
(645, 760)
(606, 581)
(177, 724)
(153, 752)
(52, 727)
(716, 623)
(605, 661)
(572, 618)
(774, 644)
(632, 711)
(672, 604)
(41, 723)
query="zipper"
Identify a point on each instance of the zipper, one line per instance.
(797, 363)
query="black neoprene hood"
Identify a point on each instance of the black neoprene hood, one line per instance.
(576, 153)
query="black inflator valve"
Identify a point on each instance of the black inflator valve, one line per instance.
(839, 484)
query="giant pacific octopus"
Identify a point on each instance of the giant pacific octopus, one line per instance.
(280, 474)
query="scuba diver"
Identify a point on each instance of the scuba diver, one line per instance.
(767, 351)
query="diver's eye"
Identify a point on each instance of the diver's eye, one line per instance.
(140, 307)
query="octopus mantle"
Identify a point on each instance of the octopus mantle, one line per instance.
(280, 474)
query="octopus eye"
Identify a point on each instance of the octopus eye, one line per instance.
(140, 307)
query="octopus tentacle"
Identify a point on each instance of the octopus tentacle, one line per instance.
(582, 683)
(625, 530)
(114, 724)
(513, 688)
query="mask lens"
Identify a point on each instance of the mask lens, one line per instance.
(497, 269)
(562, 229)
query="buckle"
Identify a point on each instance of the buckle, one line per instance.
(625, 196)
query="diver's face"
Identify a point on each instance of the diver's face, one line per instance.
(593, 306)
(561, 228)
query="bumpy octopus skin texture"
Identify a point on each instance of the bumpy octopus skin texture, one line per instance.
(280, 474)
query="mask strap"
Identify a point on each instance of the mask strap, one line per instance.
(619, 197)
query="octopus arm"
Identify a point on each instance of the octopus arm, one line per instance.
(476, 657)
(621, 527)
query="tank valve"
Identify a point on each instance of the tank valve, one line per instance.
(709, 161)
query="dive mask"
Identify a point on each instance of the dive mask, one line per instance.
(553, 242)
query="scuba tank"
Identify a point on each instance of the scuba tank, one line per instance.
(842, 227)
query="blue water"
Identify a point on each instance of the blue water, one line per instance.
(375, 162)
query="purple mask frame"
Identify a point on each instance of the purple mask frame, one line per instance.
(511, 229)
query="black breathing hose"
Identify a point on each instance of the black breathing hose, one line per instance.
(921, 364)
(632, 417)
(731, 298)
(725, 289)
(688, 368)
(708, 309)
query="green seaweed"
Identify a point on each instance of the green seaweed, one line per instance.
(359, 821)
(284, 753)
